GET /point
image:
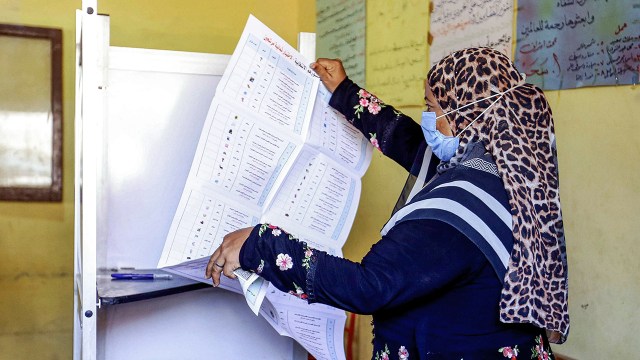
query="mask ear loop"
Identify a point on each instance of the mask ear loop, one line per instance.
(499, 93)
(494, 89)
(522, 82)
(479, 116)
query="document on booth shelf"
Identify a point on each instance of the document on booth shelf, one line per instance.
(271, 150)
(253, 287)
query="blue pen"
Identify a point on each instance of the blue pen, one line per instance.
(128, 276)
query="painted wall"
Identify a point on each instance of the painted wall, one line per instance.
(596, 128)
(36, 239)
(597, 133)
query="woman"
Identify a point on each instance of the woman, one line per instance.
(474, 265)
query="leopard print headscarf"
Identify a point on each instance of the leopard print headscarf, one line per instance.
(518, 131)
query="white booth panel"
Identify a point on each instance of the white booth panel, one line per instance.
(204, 324)
(153, 123)
(156, 105)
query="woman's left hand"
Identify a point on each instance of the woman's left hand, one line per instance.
(226, 258)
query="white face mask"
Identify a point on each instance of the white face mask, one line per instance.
(445, 147)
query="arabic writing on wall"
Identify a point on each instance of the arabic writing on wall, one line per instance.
(341, 34)
(563, 44)
(458, 24)
(396, 57)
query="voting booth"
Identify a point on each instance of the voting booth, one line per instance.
(139, 114)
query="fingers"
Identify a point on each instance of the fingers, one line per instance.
(329, 63)
(320, 70)
(330, 71)
(228, 270)
(215, 275)
(221, 266)
(213, 268)
(226, 257)
(218, 266)
(326, 68)
(209, 268)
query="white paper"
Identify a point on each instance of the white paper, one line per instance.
(252, 286)
(459, 24)
(271, 150)
(318, 328)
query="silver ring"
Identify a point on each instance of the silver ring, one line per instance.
(218, 265)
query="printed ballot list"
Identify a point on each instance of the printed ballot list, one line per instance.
(271, 151)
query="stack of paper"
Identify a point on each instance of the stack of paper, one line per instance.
(271, 150)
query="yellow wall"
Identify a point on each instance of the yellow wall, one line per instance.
(597, 130)
(36, 239)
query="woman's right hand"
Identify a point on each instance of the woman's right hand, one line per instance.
(330, 71)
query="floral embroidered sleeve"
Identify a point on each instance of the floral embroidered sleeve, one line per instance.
(401, 267)
(389, 130)
(279, 257)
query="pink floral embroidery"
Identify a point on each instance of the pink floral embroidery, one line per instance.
(374, 107)
(539, 350)
(509, 352)
(403, 354)
(383, 354)
(264, 227)
(308, 253)
(260, 267)
(275, 231)
(284, 262)
(299, 293)
(374, 141)
(369, 102)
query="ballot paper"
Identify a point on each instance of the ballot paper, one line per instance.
(253, 287)
(271, 150)
(318, 328)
